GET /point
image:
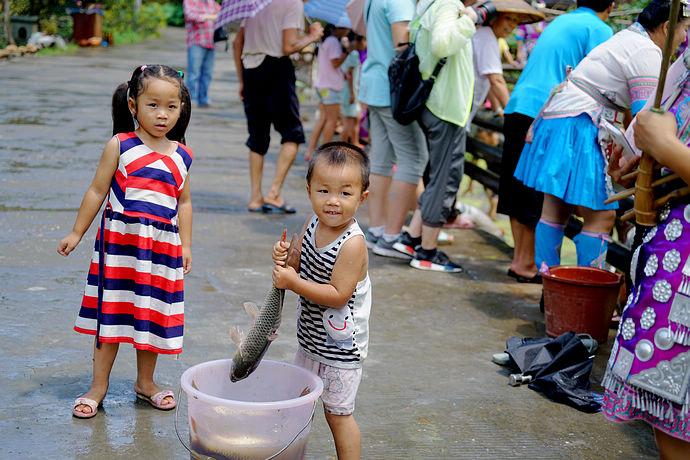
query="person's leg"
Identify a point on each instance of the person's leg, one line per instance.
(411, 156)
(256, 171)
(316, 133)
(286, 156)
(381, 156)
(549, 231)
(349, 130)
(256, 108)
(346, 435)
(194, 60)
(144, 385)
(671, 448)
(103, 359)
(523, 252)
(206, 75)
(592, 242)
(332, 115)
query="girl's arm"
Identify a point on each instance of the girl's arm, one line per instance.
(93, 198)
(351, 85)
(184, 213)
(349, 268)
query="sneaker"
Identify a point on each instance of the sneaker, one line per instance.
(386, 249)
(406, 244)
(370, 239)
(437, 262)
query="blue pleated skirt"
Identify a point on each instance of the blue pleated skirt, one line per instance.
(564, 160)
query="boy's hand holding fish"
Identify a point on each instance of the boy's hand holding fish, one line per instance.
(284, 275)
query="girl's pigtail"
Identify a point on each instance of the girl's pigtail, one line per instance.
(178, 131)
(122, 117)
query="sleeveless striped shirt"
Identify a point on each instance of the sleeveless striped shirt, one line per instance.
(336, 337)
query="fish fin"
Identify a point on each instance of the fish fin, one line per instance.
(252, 310)
(237, 336)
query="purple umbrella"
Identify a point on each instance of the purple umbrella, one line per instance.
(235, 10)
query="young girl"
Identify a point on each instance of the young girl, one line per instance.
(333, 286)
(349, 106)
(134, 291)
(329, 87)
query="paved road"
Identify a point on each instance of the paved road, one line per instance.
(429, 388)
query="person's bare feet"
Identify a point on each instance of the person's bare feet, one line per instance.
(95, 393)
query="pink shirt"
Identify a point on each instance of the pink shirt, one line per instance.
(329, 77)
(199, 31)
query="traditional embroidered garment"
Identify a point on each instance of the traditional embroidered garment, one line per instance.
(565, 158)
(648, 373)
(336, 337)
(135, 288)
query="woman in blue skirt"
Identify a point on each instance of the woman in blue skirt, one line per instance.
(563, 156)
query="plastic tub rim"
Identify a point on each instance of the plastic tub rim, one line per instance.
(552, 277)
(313, 395)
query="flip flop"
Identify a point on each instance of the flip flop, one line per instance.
(157, 399)
(257, 209)
(536, 279)
(273, 209)
(81, 401)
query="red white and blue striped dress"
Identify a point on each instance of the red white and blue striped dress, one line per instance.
(135, 289)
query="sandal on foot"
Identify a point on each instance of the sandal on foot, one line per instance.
(81, 401)
(157, 399)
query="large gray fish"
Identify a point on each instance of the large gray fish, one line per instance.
(252, 347)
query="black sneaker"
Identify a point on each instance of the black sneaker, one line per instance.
(436, 261)
(407, 243)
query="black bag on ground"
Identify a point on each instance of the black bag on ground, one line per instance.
(409, 91)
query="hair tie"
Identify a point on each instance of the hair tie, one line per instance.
(143, 67)
(180, 73)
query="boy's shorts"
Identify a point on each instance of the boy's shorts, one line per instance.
(329, 96)
(339, 385)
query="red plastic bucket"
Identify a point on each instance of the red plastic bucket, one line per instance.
(580, 299)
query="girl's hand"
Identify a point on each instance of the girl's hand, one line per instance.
(619, 166)
(68, 243)
(186, 260)
(280, 251)
(653, 130)
(284, 277)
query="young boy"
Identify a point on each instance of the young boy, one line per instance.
(333, 286)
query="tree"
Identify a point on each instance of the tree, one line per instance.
(8, 31)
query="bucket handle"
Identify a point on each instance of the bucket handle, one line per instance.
(206, 457)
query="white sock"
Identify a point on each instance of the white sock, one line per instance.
(377, 231)
(388, 238)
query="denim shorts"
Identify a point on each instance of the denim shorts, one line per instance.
(329, 96)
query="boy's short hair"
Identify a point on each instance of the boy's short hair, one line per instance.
(339, 154)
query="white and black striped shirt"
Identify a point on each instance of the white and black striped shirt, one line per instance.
(345, 346)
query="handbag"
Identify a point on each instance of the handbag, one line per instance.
(409, 92)
(220, 35)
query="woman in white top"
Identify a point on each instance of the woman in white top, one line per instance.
(564, 157)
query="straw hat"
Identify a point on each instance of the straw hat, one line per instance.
(529, 13)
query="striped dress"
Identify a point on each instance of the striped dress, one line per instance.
(135, 289)
(335, 337)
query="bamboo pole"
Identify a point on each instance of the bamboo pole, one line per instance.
(645, 213)
(631, 191)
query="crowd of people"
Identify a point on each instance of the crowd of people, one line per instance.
(580, 82)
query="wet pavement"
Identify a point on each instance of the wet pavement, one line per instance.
(429, 387)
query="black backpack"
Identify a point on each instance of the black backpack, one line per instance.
(409, 91)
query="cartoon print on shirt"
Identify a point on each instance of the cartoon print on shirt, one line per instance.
(340, 328)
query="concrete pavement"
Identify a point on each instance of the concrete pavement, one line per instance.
(429, 388)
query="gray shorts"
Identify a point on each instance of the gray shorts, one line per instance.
(339, 385)
(396, 144)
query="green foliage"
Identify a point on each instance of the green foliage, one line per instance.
(625, 14)
(174, 14)
(127, 26)
(52, 19)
